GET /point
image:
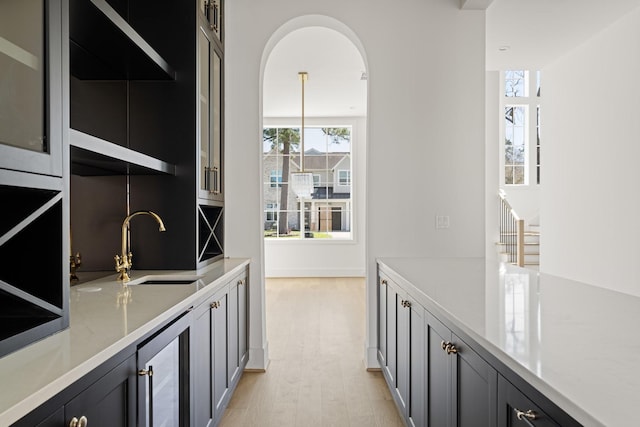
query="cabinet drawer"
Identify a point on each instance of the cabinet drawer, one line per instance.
(516, 409)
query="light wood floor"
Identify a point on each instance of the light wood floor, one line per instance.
(316, 376)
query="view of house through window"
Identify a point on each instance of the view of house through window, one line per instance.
(327, 214)
(521, 127)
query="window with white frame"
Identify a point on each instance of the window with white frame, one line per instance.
(327, 214)
(275, 178)
(344, 177)
(521, 127)
(271, 212)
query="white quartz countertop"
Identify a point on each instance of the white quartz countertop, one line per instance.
(105, 317)
(577, 344)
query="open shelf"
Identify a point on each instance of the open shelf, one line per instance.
(210, 232)
(103, 46)
(92, 156)
(32, 300)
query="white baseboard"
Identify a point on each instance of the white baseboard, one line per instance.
(258, 359)
(305, 272)
(371, 358)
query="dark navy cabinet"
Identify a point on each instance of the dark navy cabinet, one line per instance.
(106, 398)
(32, 185)
(438, 376)
(221, 351)
(31, 93)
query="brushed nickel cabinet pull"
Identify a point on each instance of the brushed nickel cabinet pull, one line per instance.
(145, 372)
(528, 415)
(82, 422)
(451, 349)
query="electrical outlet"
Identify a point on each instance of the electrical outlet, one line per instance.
(442, 221)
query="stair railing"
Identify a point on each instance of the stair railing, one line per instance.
(511, 231)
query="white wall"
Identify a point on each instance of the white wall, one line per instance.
(590, 195)
(425, 137)
(492, 163)
(525, 200)
(326, 257)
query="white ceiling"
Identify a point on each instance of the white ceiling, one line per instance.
(540, 31)
(335, 67)
(536, 31)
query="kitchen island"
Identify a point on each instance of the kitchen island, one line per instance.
(570, 343)
(106, 317)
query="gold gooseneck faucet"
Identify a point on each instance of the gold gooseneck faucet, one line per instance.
(123, 261)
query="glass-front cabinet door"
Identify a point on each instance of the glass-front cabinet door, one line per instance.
(31, 86)
(210, 117)
(212, 11)
(163, 377)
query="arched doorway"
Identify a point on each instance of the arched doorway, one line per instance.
(335, 100)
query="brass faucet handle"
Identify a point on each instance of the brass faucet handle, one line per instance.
(74, 263)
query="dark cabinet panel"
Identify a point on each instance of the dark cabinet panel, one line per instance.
(164, 376)
(220, 343)
(54, 420)
(439, 368)
(516, 409)
(212, 378)
(109, 402)
(416, 375)
(461, 386)
(382, 321)
(390, 369)
(474, 388)
(202, 366)
(402, 337)
(102, 398)
(243, 321)
(524, 406)
(221, 349)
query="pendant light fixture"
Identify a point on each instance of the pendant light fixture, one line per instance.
(302, 182)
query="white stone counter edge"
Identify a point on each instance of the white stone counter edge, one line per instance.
(440, 312)
(26, 402)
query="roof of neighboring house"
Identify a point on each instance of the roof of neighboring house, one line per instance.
(314, 159)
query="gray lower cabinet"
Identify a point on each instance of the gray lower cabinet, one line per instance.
(415, 376)
(516, 409)
(183, 374)
(438, 379)
(387, 352)
(461, 386)
(238, 322)
(220, 347)
(109, 401)
(402, 350)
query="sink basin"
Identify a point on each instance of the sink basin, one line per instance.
(162, 279)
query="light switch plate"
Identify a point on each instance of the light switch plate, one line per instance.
(442, 221)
